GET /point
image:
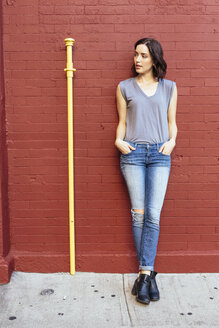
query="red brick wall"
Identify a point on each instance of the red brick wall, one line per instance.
(6, 259)
(105, 32)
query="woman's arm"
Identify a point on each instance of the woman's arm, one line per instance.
(168, 146)
(172, 116)
(123, 146)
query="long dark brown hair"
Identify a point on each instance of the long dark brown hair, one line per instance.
(156, 51)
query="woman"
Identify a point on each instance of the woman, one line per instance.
(145, 136)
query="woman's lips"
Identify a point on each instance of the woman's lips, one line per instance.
(138, 66)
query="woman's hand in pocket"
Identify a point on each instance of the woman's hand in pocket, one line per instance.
(123, 146)
(167, 147)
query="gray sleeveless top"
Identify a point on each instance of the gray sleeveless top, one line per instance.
(146, 119)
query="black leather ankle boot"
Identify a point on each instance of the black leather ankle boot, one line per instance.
(143, 286)
(154, 292)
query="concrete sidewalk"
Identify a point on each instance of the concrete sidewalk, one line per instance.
(104, 300)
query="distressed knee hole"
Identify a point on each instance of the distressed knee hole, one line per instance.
(137, 217)
(139, 211)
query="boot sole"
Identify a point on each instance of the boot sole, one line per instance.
(143, 302)
(154, 299)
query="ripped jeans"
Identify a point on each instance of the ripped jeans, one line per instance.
(146, 173)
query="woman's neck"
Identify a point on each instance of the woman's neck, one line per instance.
(145, 79)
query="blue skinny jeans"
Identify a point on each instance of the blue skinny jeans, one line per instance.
(146, 173)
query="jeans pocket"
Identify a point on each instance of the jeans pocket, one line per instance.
(127, 153)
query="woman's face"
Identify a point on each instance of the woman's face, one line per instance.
(142, 59)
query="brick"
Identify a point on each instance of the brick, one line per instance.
(53, 2)
(172, 230)
(204, 246)
(37, 239)
(177, 246)
(201, 230)
(210, 237)
(39, 230)
(210, 9)
(192, 221)
(202, 195)
(177, 238)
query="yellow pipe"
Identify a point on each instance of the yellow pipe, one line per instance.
(69, 72)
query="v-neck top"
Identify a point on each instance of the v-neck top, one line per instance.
(157, 90)
(147, 116)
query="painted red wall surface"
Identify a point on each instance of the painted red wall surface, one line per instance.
(105, 31)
